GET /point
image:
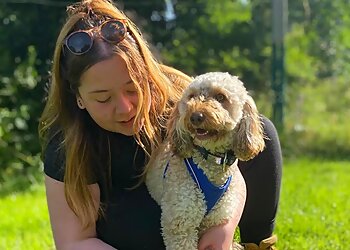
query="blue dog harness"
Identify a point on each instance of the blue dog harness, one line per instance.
(212, 193)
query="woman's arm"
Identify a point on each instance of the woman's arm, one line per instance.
(220, 237)
(66, 228)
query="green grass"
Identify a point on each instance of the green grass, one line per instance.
(315, 205)
(24, 221)
(313, 212)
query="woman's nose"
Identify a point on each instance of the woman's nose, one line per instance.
(123, 105)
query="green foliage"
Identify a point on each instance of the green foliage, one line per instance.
(27, 25)
(326, 35)
(218, 36)
(300, 65)
(18, 122)
(28, 34)
(317, 120)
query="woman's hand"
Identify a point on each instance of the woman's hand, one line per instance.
(220, 237)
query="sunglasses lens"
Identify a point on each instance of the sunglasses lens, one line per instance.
(113, 31)
(79, 42)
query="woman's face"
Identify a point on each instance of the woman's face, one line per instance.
(109, 95)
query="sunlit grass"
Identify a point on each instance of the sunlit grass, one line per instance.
(313, 212)
(24, 222)
(315, 205)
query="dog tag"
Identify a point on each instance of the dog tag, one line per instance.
(218, 160)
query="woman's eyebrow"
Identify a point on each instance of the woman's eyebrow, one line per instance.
(106, 90)
(130, 81)
(98, 91)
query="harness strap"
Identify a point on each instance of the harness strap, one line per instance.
(212, 193)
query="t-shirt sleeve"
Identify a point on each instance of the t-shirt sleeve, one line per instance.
(54, 159)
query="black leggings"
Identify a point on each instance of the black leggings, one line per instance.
(263, 179)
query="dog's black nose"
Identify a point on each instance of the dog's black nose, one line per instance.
(197, 118)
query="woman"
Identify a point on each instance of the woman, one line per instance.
(105, 114)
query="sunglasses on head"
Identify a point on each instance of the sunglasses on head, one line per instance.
(112, 31)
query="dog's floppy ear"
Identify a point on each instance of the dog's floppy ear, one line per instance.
(179, 139)
(249, 136)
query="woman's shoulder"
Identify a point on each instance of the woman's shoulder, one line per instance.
(54, 157)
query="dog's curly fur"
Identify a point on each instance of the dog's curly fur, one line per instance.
(217, 113)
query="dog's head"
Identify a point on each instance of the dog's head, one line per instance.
(217, 113)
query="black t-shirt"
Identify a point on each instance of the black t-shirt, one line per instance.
(132, 217)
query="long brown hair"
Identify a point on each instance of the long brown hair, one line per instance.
(83, 141)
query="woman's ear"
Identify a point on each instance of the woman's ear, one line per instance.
(249, 135)
(80, 102)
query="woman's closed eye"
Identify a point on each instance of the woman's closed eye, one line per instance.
(131, 92)
(104, 101)
(130, 88)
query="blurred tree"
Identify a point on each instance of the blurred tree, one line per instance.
(28, 34)
(25, 25)
(321, 28)
(18, 121)
(222, 35)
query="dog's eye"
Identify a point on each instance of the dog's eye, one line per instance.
(220, 97)
(190, 96)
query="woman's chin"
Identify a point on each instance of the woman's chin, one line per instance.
(128, 129)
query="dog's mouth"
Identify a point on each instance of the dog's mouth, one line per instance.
(203, 134)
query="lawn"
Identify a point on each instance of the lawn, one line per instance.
(315, 205)
(24, 222)
(313, 212)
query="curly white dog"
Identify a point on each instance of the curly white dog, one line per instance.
(190, 176)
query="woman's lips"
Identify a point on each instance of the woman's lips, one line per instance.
(127, 123)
